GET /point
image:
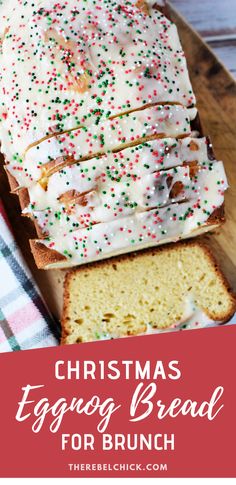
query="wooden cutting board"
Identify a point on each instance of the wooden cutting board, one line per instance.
(215, 90)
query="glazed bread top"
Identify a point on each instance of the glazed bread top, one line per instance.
(108, 200)
(107, 135)
(133, 164)
(85, 82)
(67, 64)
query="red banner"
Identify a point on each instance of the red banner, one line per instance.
(153, 406)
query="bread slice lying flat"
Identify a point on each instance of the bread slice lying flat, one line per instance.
(144, 293)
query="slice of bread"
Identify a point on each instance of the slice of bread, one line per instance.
(109, 200)
(144, 293)
(142, 230)
(135, 162)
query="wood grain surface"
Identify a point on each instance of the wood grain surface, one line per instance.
(216, 93)
(215, 90)
(215, 20)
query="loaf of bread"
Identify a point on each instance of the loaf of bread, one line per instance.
(178, 286)
(104, 136)
(98, 129)
(70, 64)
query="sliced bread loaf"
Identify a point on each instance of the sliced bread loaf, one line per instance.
(145, 293)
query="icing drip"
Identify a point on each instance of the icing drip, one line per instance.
(134, 232)
(135, 163)
(113, 199)
(113, 134)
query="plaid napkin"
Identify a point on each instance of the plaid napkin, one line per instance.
(25, 322)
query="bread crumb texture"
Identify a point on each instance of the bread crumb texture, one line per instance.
(127, 295)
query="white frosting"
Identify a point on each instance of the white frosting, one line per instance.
(193, 317)
(69, 263)
(135, 162)
(109, 200)
(67, 63)
(137, 231)
(100, 138)
(11, 12)
(69, 71)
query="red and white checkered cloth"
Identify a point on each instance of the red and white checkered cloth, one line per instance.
(25, 322)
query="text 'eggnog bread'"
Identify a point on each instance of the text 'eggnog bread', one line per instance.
(145, 293)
